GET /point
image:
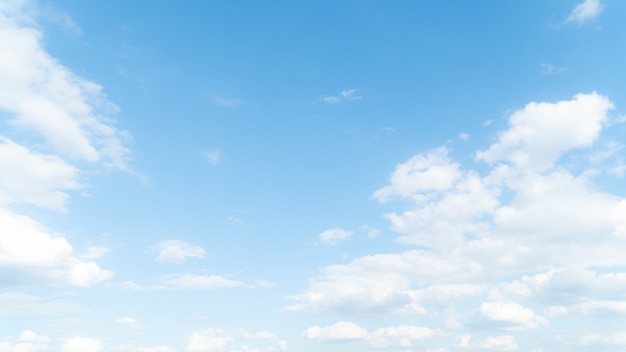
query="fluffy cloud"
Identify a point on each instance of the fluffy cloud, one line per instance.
(341, 331)
(511, 316)
(334, 236)
(403, 336)
(45, 97)
(31, 255)
(49, 109)
(541, 132)
(82, 344)
(585, 11)
(213, 339)
(34, 178)
(208, 340)
(177, 251)
(529, 227)
(28, 341)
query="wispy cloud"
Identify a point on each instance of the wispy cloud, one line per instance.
(213, 156)
(346, 95)
(548, 69)
(177, 251)
(585, 11)
(226, 102)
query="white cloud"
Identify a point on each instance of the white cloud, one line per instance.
(213, 339)
(334, 236)
(585, 11)
(95, 253)
(177, 251)
(213, 156)
(34, 178)
(341, 331)
(129, 321)
(541, 132)
(31, 255)
(82, 344)
(498, 343)
(523, 211)
(402, 336)
(433, 171)
(512, 316)
(28, 341)
(70, 113)
(208, 340)
(346, 95)
(31, 336)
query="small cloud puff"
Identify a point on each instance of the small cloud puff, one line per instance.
(548, 69)
(334, 236)
(177, 251)
(345, 95)
(213, 156)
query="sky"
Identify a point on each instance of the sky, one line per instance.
(341, 176)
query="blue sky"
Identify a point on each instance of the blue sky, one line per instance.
(299, 176)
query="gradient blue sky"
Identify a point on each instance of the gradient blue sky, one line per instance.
(341, 176)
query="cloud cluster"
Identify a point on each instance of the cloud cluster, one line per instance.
(531, 205)
(58, 121)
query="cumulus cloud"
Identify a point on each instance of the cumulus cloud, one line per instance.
(212, 339)
(208, 340)
(511, 316)
(585, 11)
(541, 132)
(334, 236)
(341, 331)
(177, 251)
(61, 121)
(81, 344)
(34, 178)
(402, 336)
(528, 226)
(32, 255)
(28, 341)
